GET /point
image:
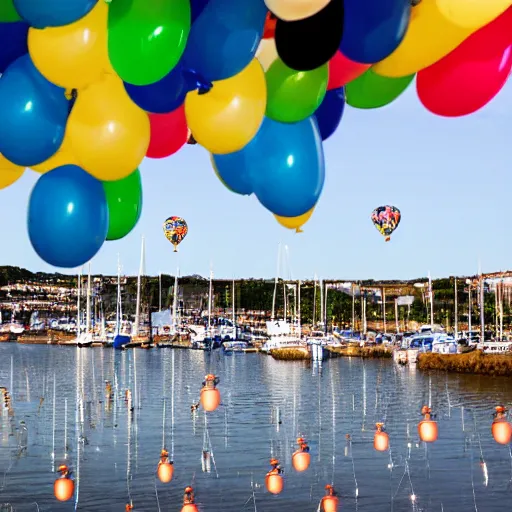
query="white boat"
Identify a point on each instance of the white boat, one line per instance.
(495, 347)
(235, 346)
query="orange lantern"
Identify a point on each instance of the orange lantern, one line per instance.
(210, 399)
(330, 500)
(165, 467)
(165, 472)
(274, 480)
(330, 503)
(501, 428)
(427, 428)
(274, 483)
(301, 458)
(64, 487)
(381, 439)
(189, 500)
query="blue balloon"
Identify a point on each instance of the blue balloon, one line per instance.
(328, 115)
(67, 216)
(53, 13)
(197, 7)
(13, 42)
(232, 170)
(283, 165)
(163, 96)
(224, 38)
(372, 30)
(33, 114)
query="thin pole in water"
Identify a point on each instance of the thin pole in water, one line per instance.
(53, 423)
(172, 406)
(12, 377)
(65, 428)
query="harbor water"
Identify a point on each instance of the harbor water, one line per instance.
(112, 444)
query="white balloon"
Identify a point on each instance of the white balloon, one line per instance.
(267, 52)
(293, 10)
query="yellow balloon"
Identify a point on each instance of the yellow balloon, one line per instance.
(228, 116)
(72, 56)
(9, 172)
(472, 13)
(64, 156)
(108, 133)
(295, 222)
(291, 10)
(267, 52)
(429, 38)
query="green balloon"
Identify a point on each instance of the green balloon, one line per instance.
(371, 90)
(146, 38)
(294, 95)
(124, 199)
(8, 12)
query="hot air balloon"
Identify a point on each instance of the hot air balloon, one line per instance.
(386, 220)
(175, 230)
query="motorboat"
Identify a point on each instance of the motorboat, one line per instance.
(234, 347)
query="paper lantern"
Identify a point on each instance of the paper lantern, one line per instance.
(274, 483)
(381, 439)
(301, 460)
(210, 399)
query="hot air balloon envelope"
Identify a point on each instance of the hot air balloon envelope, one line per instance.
(386, 220)
(175, 230)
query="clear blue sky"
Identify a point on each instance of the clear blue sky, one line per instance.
(451, 178)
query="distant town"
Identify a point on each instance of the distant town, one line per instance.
(379, 305)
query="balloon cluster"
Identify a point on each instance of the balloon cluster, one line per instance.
(91, 87)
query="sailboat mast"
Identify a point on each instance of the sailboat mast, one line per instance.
(234, 308)
(431, 298)
(456, 322)
(139, 278)
(210, 301)
(321, 302)
(118, 307)
(160, 291)
(175, 302)
(275, 283)
(314, 302)
(353, 308)
(298, 309)
(88, 302)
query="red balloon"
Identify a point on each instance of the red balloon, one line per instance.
(169, 133)
(471, 75)
(343, 70)
(270, 26)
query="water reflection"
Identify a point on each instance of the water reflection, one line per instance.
(111, 437)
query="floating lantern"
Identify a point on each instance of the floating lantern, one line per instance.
(210, 395)
(427, 428)
(501, 428)
(165, 467)
(274, 480)
(381, 439)
(330, 500)
(189, 501)
(301, 458)
(64, 487)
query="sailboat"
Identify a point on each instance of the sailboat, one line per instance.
(138, 339)
(205, 337)
(85, 338)
(281, 333)
(120, 340)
